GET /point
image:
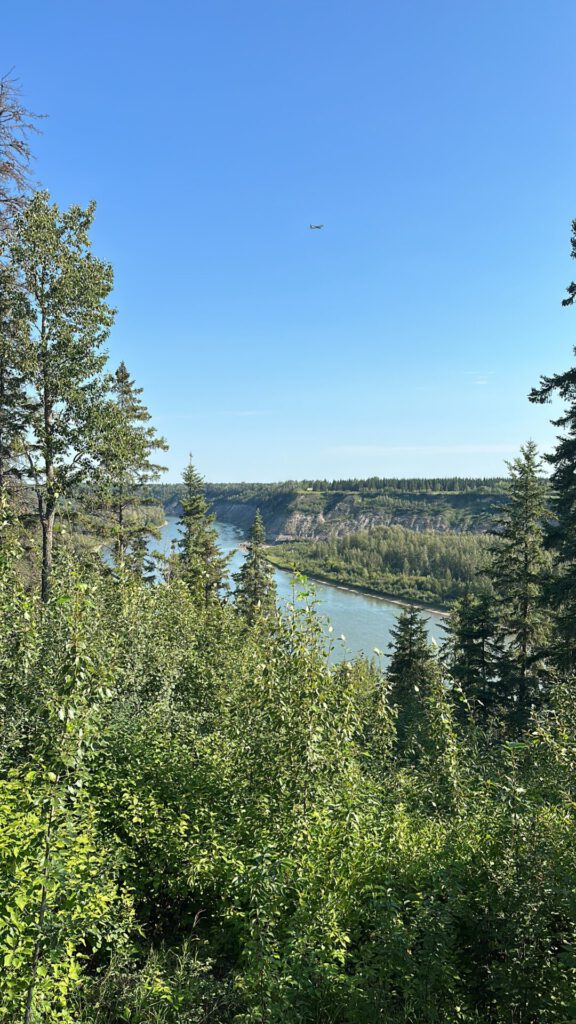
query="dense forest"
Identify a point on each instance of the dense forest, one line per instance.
(202, 819)
(428, 566)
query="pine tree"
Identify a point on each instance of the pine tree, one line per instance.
(138, 558)
(255, 593)
(200, 563)
(125, 468)
(519, 571)
(68, 321)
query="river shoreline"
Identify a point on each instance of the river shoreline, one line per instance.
(377, 595)
(353, 588)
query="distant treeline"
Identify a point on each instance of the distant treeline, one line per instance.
(378, 484)
(373, 484)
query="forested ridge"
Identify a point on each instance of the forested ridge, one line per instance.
(201, 819)
(293, 510)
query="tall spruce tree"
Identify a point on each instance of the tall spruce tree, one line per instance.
(471, 655)
(200, 563)
(255, 594)
(519, 573)
(125, 468)
(412, 675)
(562, 533)
(68, 321)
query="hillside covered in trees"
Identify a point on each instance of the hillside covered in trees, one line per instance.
(426, 566)
(320, 509)
(203, 821)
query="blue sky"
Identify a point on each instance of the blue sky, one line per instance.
(435, 142)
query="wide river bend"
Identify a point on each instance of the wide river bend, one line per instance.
(363, 621)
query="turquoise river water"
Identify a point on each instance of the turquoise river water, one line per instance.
(363, 621)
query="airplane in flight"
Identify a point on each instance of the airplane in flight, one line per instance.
(315, 227)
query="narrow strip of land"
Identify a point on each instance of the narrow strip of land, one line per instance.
(377, 595)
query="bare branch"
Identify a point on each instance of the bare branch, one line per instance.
(16, 125)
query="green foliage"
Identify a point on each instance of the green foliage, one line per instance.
(204, 822)
(59, 901)
(255, 594)
(424, 727)
(200, 563)
(171, 986)
(472, 655)
(562, 531)
(67, 322)
(519, 573)
(428, 566)
(125, 467)
(260, 836)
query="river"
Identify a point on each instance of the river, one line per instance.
(363, 621)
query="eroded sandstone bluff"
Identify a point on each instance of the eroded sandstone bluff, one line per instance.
(306, 514)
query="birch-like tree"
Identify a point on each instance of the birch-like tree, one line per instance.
(68, 321)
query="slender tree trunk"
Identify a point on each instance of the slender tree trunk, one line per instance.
(47, 522)
(523, 680)
(47, 519)
(121, 543)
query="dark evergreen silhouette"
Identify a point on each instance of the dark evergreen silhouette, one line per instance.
(200, 563)
(519, 573)
(471, 655)
(411, 674)
(562, 532)
(255, 594)
(126, 467)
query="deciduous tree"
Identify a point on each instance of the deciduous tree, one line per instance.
(13, 396)
(68, 321)
(16, 125)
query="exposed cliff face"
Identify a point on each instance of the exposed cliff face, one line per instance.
(309, 517)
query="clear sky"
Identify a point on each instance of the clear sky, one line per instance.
(435, 141)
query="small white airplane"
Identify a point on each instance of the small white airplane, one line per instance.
(315, 227)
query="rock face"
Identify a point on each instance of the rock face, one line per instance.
(301, 516)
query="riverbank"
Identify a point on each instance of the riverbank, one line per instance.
(378, 595)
